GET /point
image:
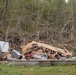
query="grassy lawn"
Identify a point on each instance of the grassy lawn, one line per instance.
(36, 70)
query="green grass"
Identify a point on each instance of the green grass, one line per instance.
(36, 70)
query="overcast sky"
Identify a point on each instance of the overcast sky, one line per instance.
(66, 0)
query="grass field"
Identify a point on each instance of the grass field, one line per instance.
(36, 70)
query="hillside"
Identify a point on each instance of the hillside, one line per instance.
(48, 21)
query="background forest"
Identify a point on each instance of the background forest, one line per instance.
(48, 21)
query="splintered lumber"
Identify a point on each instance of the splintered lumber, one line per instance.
(26, 47)
(65, 52)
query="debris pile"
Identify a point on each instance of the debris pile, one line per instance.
(36, 50)
(33, 50)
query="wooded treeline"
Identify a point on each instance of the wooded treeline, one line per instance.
(49, 21)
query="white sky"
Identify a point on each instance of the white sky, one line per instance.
(67, 0)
